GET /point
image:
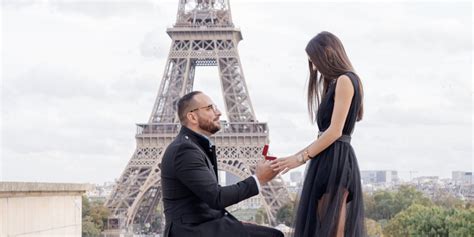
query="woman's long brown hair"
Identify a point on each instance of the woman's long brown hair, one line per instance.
(327, 53)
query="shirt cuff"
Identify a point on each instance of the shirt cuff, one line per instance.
(256, 181)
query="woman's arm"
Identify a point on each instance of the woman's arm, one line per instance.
(342, 103)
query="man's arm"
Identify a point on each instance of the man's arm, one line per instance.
(192, 171)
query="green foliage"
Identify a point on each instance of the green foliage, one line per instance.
(460, 222)
(261, 216)
(89, 229)
(418, 220)
(86, 206)
(447, 200)
(408, 195)
(407, 212)
(385, 204)
(381, 205)
(285, 214)
(374, 229)
(94, 217)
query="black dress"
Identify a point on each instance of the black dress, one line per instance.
(331, 173)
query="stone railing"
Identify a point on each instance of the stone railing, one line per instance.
(226, 128)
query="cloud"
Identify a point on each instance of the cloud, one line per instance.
(103, 8)
(18, 4)
(150, 46)
(54, 82)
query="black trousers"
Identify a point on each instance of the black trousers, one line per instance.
(262, 231)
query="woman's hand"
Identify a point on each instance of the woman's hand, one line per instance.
(285, 164)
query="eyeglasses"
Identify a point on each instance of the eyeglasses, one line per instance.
(209, 107)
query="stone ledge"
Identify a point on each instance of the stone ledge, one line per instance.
(20, 187)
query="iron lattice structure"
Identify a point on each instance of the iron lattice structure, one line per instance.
(203, 35)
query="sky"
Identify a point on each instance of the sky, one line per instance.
(78, 75)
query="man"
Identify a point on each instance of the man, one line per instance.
(194, 202)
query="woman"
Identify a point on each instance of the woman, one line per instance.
(331, 200)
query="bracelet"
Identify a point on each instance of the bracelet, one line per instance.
(301, 159)
(307, 155)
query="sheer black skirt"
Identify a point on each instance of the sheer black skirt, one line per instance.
(329, 176)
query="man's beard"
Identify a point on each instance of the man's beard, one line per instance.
(209, 126)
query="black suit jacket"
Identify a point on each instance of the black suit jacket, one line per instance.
(194, 202)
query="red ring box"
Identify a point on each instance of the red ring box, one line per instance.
(265, 151)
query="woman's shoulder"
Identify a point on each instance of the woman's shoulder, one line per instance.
(344, 76)
(350, 78)
(345, 84)
(344, 79)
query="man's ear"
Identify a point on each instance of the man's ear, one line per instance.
(191, 117)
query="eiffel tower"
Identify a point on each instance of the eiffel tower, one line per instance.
(203, 35)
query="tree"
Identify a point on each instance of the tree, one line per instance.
(407, 212)
(380, 205)
(418, 220)
(460, 222)
(99, 214)
(89, 229)
(384, 205)
(447, 200)
(86, 206)
(261, 216)
(285, 214)
(374, 229)
(407, 195)
(94, 217)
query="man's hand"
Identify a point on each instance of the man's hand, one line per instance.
(285, 164)
(264, 172)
